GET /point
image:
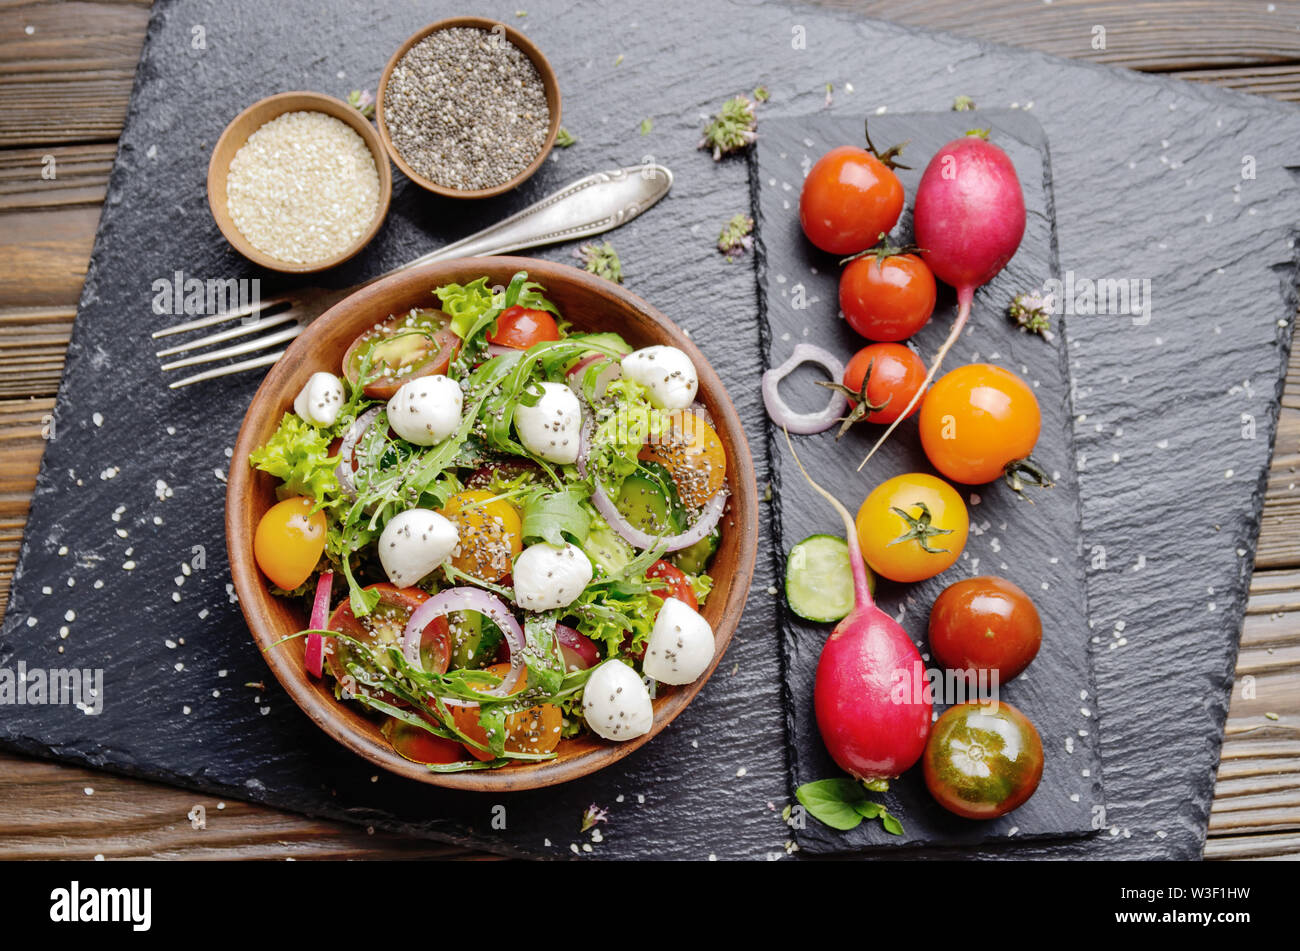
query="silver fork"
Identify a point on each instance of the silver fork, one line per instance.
(586, 207)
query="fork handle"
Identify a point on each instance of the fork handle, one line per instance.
(586, 207)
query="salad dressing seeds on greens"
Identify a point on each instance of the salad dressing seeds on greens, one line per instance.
(521, 519)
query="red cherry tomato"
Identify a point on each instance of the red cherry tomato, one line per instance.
(416, 344)
(421, 746)
(383, 627)
(848, 199)
(675, 583)
(521, 328)
(896, 374)
(985, 623)
(981, 763)
(887, 300)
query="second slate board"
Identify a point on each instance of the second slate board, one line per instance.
(1036, 546)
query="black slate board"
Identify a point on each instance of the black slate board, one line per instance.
(1038, 546)
(1163, 697)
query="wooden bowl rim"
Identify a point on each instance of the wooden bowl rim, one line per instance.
(550, 84)
(293, 101)
(253, 592)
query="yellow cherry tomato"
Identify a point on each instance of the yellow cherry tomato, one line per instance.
(692, 453)
(289, 541)
(490, 534)
(912, 527)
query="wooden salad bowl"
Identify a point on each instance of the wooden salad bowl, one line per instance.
(590, 303)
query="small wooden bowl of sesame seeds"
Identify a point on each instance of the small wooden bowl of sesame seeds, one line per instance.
(299, 182)
(468, 107)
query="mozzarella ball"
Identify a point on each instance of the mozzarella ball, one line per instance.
(415, 542)
(552, 428)
(680, 646)
(426, 410)
(666, 372)
(320, 400)
(548, 577)
(615, 702)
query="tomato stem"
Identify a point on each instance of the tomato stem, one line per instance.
(888, 158)
(965, 296)
(1033, 473)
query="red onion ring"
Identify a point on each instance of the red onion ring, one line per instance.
(500, 350)
(604, 378)
(804, 424)
(466, 598)
(314, 655)
(344, 471)
(710, 514)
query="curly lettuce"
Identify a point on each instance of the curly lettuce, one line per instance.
(298, 455)
(619, 436)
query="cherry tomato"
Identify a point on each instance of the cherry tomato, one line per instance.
(985, 623)
(289, 541)
(416, 344)
(384, 627)
(887, 300)
(896, 374)
(692, 453)
(520, 328)
(421, 746)
(912, 527)
(848, 199)
(490, 534)
(675, 583)
(535, 730)
(981, 762)
(978, 419)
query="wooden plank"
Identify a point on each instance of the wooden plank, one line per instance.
(1277, 82)
(1155, 35)
(33, 342)
(1284, 845)
(69, 79)
(52, 811)
(54, 176)
(44, 254)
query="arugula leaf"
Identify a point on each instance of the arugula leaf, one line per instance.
(542, 654)
(842, 804)
(298, 455)
(556, 517)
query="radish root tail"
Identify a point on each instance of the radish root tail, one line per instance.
(958, 325)
(861, 590)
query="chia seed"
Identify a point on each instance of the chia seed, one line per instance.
(466, 109)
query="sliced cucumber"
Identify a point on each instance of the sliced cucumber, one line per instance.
(695, 559)
(606, 549)
(646, 505)
(819, 579)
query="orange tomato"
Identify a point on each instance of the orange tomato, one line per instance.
(976, 420)
(692, 453)
(490, 534)
(289, 541)
(535, 730)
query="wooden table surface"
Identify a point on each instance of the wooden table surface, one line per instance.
(66, 70)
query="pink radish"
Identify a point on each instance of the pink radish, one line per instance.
(969, 218)
(871, 733)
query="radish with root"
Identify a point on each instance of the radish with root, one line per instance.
(872, 730)
(969, 218)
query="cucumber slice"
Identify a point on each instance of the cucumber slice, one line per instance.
(819, 579)
(695, 559)
(606, 549)
(646, 505)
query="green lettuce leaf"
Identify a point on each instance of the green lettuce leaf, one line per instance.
(298, 455)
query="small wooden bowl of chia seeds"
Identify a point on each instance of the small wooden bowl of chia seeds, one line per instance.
(299, 182)
(468, 107)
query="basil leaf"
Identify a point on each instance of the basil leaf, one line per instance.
(556, 517)
(892, 825)
(833, 802)
(869, 810)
